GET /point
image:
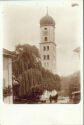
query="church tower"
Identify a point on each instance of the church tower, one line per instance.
(47, 43)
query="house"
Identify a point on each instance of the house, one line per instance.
(7, 76)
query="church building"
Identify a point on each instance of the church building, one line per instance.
(47, 43)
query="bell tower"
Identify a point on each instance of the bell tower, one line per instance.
(47, 43)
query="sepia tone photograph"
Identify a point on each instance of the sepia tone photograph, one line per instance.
(42, 52)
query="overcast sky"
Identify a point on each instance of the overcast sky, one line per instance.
(21, 25)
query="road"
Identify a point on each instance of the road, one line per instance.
(63, 100)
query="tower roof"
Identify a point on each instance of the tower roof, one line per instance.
(47, 21)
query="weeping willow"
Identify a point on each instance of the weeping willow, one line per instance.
(28, 70)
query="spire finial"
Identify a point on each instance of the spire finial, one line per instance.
(47, 10)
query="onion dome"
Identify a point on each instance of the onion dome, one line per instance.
(47, 21)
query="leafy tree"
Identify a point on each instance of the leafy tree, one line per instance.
(26, 57)
(74, 84)
(33, 78)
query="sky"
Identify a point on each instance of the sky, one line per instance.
(21, 25)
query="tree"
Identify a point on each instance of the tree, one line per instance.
(28, 70)
(26, 57)
(74, 84)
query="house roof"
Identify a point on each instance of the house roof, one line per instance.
(7, 53)
(77, 50)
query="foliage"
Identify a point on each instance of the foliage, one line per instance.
(7, 91)
(74, 85)
(28, 79)
(26, 57)
(33, 78)
(70, 84)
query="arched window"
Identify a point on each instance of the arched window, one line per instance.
(45, 38)
(47, 64)
(44, 57)
(44, 48)
(48, 57)
(45, 28)
(47, 47)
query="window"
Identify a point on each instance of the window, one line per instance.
(44, 48)
(44, 57)
(48, 57)
(45, 38)
(45, 28)
(47, 47)
(47, 64)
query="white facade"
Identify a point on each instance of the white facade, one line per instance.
(48, 47)
(49, 32)
(7, 76)
(7, 71)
